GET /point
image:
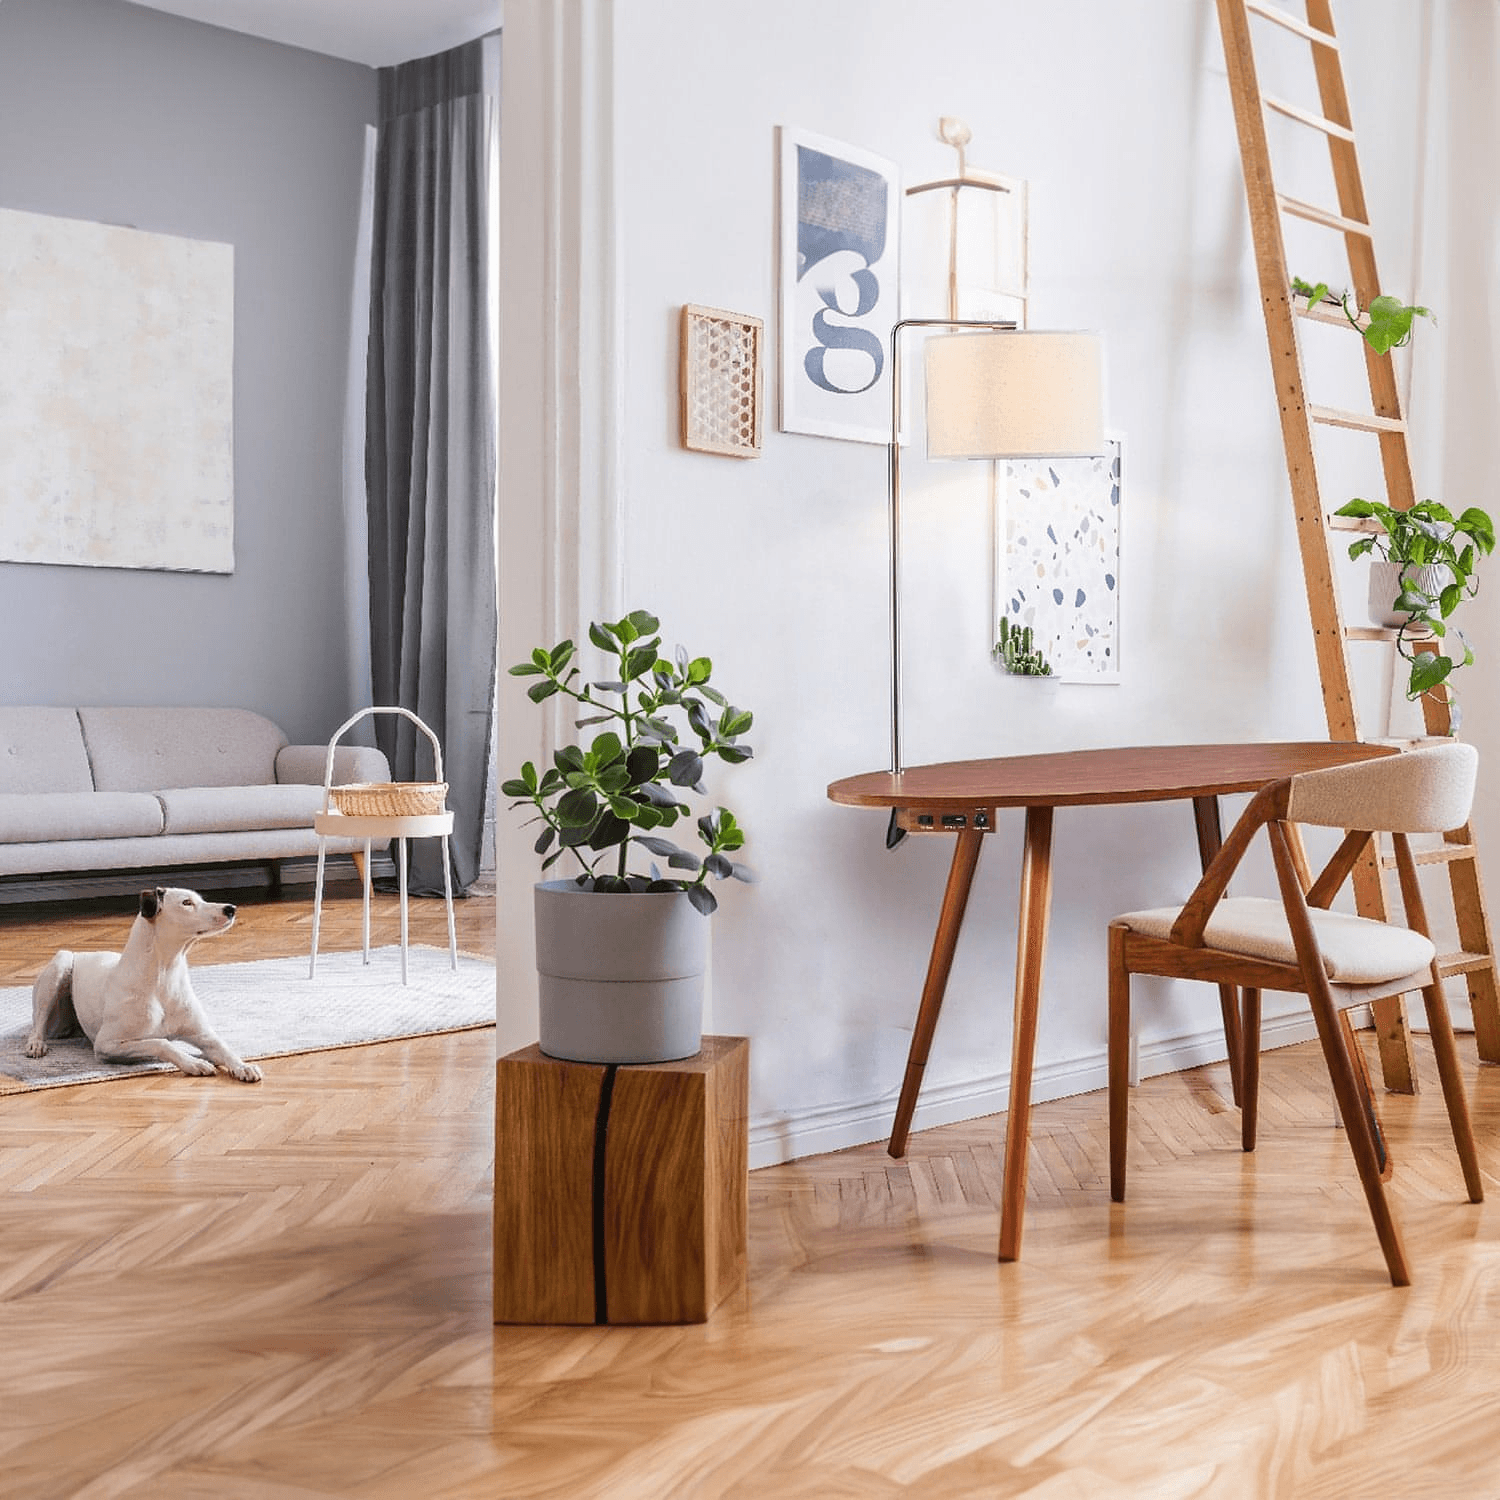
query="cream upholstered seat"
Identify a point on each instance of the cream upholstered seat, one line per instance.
(1354, 949)
(1297, 944)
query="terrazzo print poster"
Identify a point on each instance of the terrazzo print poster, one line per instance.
(1059, 563)
(116, 396)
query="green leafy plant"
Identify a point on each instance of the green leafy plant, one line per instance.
(1427, 535)
(1018, 653)
(1388, 320)
(600, 804)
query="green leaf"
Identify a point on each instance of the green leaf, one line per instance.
(562, 654)
(623, 807)
(541, 659)
(1427, 671)
(577, 808)
(600, 637)
(1450, 597)
(643, 763)
(624, 631)
(524, 669)
(1363, 545)
(639, 662)
(515, 788)
(539, 692)
(644, 622)
(606, 749)
(735, 721)
(685, 769)
(612, 885)
(664, 847)
(698, 670)
(1360, 508)
(703, 899)
(544, 839)
(608, 832)
(713, 695)
(569, 758)
(735, 754)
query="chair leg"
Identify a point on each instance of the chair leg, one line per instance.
(1366, 1096)
(1119, 1062)
(1249, 1067)
(1358, 1114)
(1446, 1051)
(1356, 1110)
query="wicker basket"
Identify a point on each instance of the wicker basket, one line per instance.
(390, 799)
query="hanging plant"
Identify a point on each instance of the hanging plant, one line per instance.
(1386, 323)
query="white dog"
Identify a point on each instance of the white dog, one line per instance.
(137, 1005)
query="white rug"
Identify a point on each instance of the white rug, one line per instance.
(269, 1008)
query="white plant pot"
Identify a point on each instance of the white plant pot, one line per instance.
(1385, 588)
(620, 976)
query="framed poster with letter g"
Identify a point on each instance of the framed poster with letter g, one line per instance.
(840, 226)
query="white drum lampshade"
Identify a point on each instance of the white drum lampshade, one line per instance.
(1014, 395)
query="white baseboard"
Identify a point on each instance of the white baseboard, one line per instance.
(780, 1137)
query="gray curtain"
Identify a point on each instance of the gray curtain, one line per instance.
(430, 461)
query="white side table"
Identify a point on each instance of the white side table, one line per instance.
(330, 823)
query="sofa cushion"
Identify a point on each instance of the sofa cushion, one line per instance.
(239, 809)
(146, 749)
(39, 817)
(41, 750)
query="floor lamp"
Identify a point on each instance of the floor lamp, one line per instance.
(992, 392)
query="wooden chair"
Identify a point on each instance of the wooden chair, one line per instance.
(1296, 944)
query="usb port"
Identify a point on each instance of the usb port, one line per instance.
(924, 820)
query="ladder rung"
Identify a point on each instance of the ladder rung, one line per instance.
(1329, 312)
(1444, 855)
(1330, 416)
(1449, 964)
(1292, 23)
(1307, 117)
(1323, 216)
(1353, 523)
(1368, 633)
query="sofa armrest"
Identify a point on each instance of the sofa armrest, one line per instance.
(303, 764)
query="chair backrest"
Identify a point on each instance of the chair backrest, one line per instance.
(1429, 790)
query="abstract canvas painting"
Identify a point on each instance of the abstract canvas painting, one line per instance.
(1059, 562)
(840, 223)
(116, 396)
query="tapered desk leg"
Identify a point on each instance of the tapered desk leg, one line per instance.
(950, 919)
(1031, 949)
(1210, 837)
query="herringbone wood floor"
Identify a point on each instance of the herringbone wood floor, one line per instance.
(208, 1289)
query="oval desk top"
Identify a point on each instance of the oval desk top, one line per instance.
(1072, 778)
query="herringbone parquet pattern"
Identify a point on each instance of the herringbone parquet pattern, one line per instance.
(214, 1290)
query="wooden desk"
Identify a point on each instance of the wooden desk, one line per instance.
(964, 796)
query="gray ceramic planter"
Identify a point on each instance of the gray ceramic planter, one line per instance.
(621, 977)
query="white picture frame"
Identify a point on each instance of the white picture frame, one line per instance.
(840, 287)
(116, 396)
(1057, 564)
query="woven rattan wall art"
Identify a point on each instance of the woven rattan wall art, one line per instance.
(721, 381)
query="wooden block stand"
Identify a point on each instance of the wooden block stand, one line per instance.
(621, 1193)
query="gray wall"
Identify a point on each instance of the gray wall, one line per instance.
(123, 115)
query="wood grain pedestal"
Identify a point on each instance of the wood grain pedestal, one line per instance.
(621, 1193)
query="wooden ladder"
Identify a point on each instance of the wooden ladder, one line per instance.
(1318, 531)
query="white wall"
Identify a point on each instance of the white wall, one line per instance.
(1119, 116)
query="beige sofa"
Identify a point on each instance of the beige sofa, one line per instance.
(137, 788)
